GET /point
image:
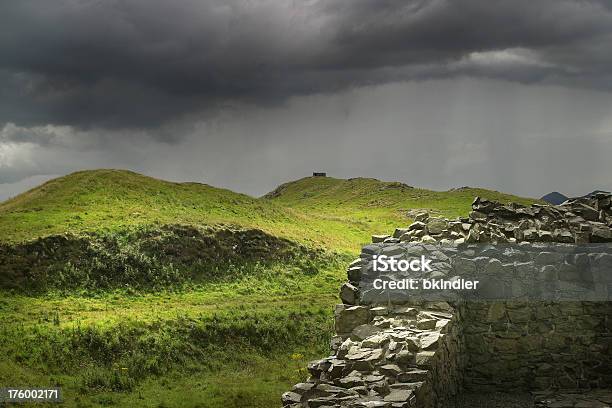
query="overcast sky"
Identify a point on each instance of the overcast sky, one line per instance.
(512, 95)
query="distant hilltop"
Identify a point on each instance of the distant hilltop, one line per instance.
(556, 198)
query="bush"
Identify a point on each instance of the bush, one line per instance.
(149, 259)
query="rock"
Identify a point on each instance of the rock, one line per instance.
(376, 341)
(399, 232)
(363, 331)
(429, 340)
(407, 237)
(495, 222)
(354, 274)
(351, 381)
(585, 211)
(478, 216)
(290, 398)
(435, 226)
(379, 238)
(545, 236)
(406, 386)
(417, 226)
(358, 353)
(494, 267)
(428, 239)
(335, 342)
(496, 312)
(427, 324)
(582, 237)
(405, 358)
(390, 370)
(349, 318)
(344, 348)
(563, 235)
(336, 369)
(324, 402)
(399, 396)
(302, 388)
(531, 234)
(379, 311)
(473, 236)
(373, 404)
(412, 376)
(355, 263)
(604, 202)
(418, 234)
(601, 233)
(349, 294)
(421, 217)
(547, 258)
(602, 216)
(316, 368)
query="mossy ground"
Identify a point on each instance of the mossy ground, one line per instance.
(131, 291)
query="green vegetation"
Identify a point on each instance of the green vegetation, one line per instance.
(152, 259)
(366, 206)
(113, 349)
(315, 211)
(130, 291)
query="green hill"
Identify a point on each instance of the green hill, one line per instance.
(366, 193)
(317, 211)
(112, 199)
(365, 204)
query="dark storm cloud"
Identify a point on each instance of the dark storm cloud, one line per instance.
(137, 63)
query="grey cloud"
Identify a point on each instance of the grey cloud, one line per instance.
(512, 95)
(42, 136)
(137, 63)
(527, 139)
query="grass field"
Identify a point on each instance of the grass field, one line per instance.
(130, 291)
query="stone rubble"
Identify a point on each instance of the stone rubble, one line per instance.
(384, 358)
(579, 221)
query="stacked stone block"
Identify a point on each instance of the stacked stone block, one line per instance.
(405, 356)
(580, 221)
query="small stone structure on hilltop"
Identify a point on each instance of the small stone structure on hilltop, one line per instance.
(396, 352)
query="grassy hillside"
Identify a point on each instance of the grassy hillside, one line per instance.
(210, 349)
(375, 206)
(333, 194)
(331, 213)
(126, 290)
(108, 200)
(113, 200)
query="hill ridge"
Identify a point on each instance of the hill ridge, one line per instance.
(338, 214)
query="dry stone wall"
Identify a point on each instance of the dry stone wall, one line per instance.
(393, 350)
(403, 356)
(538, 345)
(580, 221)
